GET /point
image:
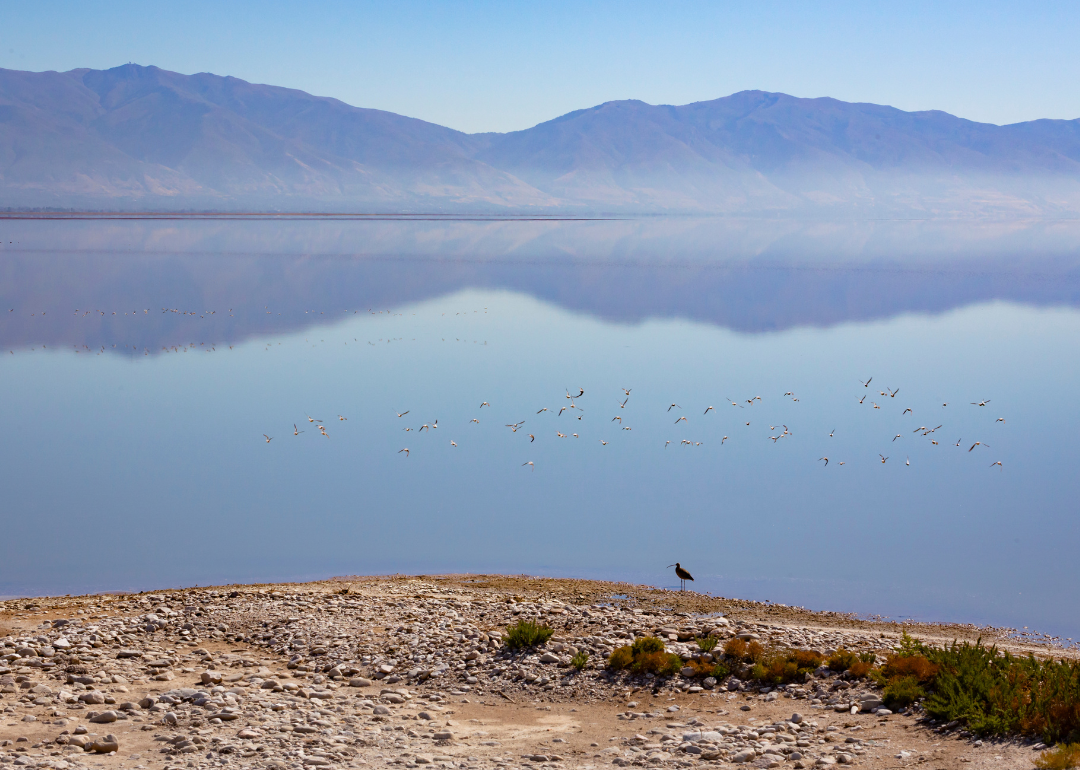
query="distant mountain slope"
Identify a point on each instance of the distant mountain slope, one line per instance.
(142, 137)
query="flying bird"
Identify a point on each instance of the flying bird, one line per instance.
(532, 438)
(862, 399)
(402, 414)
(908, 461)
(296, 432)
(831, 432)
(708, 410)
(998, 463)
(406, 451)
(475, 420)
(531, 466)
(268, 438)
(623, 404)
(603, 442)
(980, 403)
(826, 459)
(867, 383)
(883, 459)
(342, 418)
(543, 410)
(484, 404)
(613, 419)
(999, 419)
(581, 392)
(452, 443)
(978, 443)
(905, 411)
(896, 437)
(626, 390)
(681, 419)
(560, 435)
(723, 440)
(673, 406)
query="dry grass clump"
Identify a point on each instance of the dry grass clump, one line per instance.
(1062, 757)
(645, 656)
(786, 666)
(735, 648)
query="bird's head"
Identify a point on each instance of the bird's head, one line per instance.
(676, 564)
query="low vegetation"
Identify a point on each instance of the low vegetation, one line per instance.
(784, 666)
(525, 634)
(707, 643)
(580, 660)
(645, 656)
(1062, 757)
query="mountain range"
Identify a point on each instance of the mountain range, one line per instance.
(143, 138)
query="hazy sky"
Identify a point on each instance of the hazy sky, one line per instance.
(497, 66)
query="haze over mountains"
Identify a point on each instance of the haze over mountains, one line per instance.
(143, 138)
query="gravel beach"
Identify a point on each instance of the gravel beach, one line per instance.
(412, 672)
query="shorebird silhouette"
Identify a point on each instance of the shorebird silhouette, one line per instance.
(683, 575)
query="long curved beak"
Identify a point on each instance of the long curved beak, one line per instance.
(670, 565)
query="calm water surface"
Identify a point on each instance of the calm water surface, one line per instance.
(133, 453)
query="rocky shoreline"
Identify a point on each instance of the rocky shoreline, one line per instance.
(412, 671)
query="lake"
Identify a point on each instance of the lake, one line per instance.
(146, 362)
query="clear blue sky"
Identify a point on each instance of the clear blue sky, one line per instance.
(498, 66)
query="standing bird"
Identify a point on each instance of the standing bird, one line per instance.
(683, 575)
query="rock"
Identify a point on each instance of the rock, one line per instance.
(148, 701)
(797, 718)
(129, 654)
(29, 718)
(224, 716)
(382, 710)
(385, 668)
(105, 717)
(269, 684)
(795, 756)
(26, 652)
(871, 703)
(170, 718)
(93, 697)
(688, 671)
(424, 715)
(549, 657)
(883, 712)
(62, 644)
(359, 681)
(128, 706)
(211, 677)
(445, 735)
(709, 682)
(247, 734)
(104, 745)
(746, 755)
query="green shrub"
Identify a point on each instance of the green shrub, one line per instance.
(902, 691)
(842, 660)
(646, 644)
(526, 633)
(707, 643)
(580, 660)
(1062, 757)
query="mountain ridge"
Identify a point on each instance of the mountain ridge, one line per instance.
(143, 137)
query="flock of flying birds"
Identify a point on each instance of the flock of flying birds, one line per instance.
(577, 413)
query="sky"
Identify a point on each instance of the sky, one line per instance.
(497, 66)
